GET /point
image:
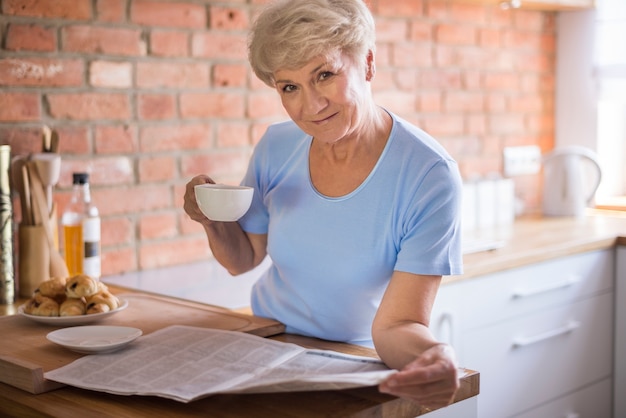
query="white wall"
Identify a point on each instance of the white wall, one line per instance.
(591, 87)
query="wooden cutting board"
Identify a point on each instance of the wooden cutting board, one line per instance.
(26, 354)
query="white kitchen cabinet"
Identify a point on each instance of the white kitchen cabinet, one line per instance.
(536, 334)
(619, 373)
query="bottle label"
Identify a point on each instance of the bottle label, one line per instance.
(91, 249)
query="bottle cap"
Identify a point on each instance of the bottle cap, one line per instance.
(80, 178)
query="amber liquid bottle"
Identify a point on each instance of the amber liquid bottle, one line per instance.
(81, 231)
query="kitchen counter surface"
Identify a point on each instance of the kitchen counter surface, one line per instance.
(68, 402)
(535, 239)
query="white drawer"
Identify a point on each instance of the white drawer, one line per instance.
(477, 302)
(591, 402)
(548, 361)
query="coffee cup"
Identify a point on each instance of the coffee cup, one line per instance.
(222, 202)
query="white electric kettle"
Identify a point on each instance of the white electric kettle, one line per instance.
(571, 177)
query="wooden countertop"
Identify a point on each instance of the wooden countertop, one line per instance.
(68, 402)
(535, 239)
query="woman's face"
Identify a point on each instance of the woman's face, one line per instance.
(325, 97)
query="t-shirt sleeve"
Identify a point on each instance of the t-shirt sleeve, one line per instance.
(431, 236)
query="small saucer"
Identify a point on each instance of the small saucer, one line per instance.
(94, 339)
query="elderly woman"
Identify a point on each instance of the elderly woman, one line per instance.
(357, 209)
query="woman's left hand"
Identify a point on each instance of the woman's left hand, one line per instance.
(430, 380)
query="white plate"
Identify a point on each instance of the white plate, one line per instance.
(72, 320)
(93, 339)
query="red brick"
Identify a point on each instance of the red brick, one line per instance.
(444, 125)
(101, 40)
(158, 225)
(403, 8)
(201, 105)
(154, 169)
(117, 231)
(60, 9)
(156, 106)
(398, 102)
(73, 140)
(455, 34)
(230, 18)
(220, 45)
(229, 75)
(458, 101)
(528, 19)
(172, 74)
(111, 10)
(439, 79)
(173, 137)
(22, 139)
(160, 254)
(436, 10)
(169, 43)
(131, 200)
(118, 261)
(214, 164)
(111, 74)
(111, 170)
(265, 104)
(117, 139)
(233, 134)
(406, 54)
(19, 107)
(30, 38)
(528, 40)
(467, 13)
(429, 102)
(502, 81)
(490, 38)
(391, 30)
(41, 72)
(421, 31)
(158, 13)
(503, 124)
(384, 80)
(89, 106)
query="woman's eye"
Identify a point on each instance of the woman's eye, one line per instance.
(324, 75)
(288, 88)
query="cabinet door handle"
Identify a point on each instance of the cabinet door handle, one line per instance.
(522, 293)
(526, 341)
(446, 328)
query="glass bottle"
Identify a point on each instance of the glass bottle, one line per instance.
(81, 230)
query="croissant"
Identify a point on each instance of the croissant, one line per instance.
(41, 306)
(103, 301)
(72, 307)
(53, 288)
(80, 286)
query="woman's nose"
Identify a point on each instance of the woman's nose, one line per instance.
(313, 101)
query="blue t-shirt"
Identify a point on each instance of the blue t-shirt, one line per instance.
(334, 256)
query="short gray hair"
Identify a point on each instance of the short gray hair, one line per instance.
(289, 33)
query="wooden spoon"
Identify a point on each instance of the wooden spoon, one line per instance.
(17, 180)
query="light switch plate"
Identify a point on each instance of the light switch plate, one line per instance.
(522, 160)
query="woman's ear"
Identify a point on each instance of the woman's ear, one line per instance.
(370, 66)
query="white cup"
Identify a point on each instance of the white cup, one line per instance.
(221, 202)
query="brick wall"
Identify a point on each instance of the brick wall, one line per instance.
(147, 93)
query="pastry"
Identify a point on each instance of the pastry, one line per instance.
(103, 301)
(72, 307)
(53, 288)
(80, 286)
(41, 306)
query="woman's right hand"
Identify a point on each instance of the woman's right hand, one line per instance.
(191, 206)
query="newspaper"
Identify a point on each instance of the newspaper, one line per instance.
(185, 363)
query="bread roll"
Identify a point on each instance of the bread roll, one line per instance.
(41, 306)
(103, 301)
(80, 286)
(72, 307)
(53, 288)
